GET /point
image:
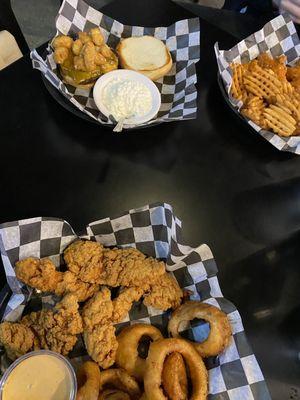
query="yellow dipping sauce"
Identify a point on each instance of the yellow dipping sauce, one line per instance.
(40, 377)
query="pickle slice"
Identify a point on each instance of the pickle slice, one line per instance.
(84, 77)
(80, 76)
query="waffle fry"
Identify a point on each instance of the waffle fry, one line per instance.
(255, 102)
(287, 87)
(288, 103)
(237, 89)
(262, 83)
(256, 116)
(253, 110)
(279, 120)
(270, 91)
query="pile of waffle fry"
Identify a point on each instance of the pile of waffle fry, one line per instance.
(270, 92)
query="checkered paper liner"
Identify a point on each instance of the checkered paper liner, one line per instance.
(157, 232)
(277, 37)
(177, 88)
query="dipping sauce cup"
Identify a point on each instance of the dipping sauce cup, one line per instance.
(39, 375)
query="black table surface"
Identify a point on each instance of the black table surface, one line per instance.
(232, 189)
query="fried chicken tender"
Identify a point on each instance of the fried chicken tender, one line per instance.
(57, 329)
(98, 309)
(16, 338)
(277, 65)
(71, 284)
(84, 258)
(101, 344)
(123, 303)
(42, 275)
(38, 273)
(99, 332)
(129, 267)
(165, 293)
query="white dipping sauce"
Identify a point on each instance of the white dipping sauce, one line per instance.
(126, 98)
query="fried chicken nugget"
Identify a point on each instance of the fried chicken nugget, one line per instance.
(100, 59)
(79, 64)
(84, 258)
(77, 47)
(61, 54)
(97, 36)
(84, 37)
(129, 267)
(17, 339)
(106, 51)
(165, 293)
(99, 332)
(62, 41)
(89, 55)
(57, 329)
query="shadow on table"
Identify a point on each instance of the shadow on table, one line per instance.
(265, 289)
(157, 147)
(269, 213)
(238, 25)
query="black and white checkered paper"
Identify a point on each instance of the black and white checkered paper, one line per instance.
(277, 37)
(156, 231)
(177, 88)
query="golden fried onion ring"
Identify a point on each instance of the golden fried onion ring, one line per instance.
(174, 377)
(113, 394)
(118, 378)
(88, 378)
(220, 329)
(155, 362)
(127, 354)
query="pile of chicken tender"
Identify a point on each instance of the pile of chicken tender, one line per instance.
(86, 305)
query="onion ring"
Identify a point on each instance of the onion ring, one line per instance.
(174, 378)
(155, 362)
(220, 329)
(144, 397)
(88, 377)
(118, 378)
(113, 394)
(127, 354)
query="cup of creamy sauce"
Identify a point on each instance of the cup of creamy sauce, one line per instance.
(125, 98)
(39, 375)
(127, 95)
